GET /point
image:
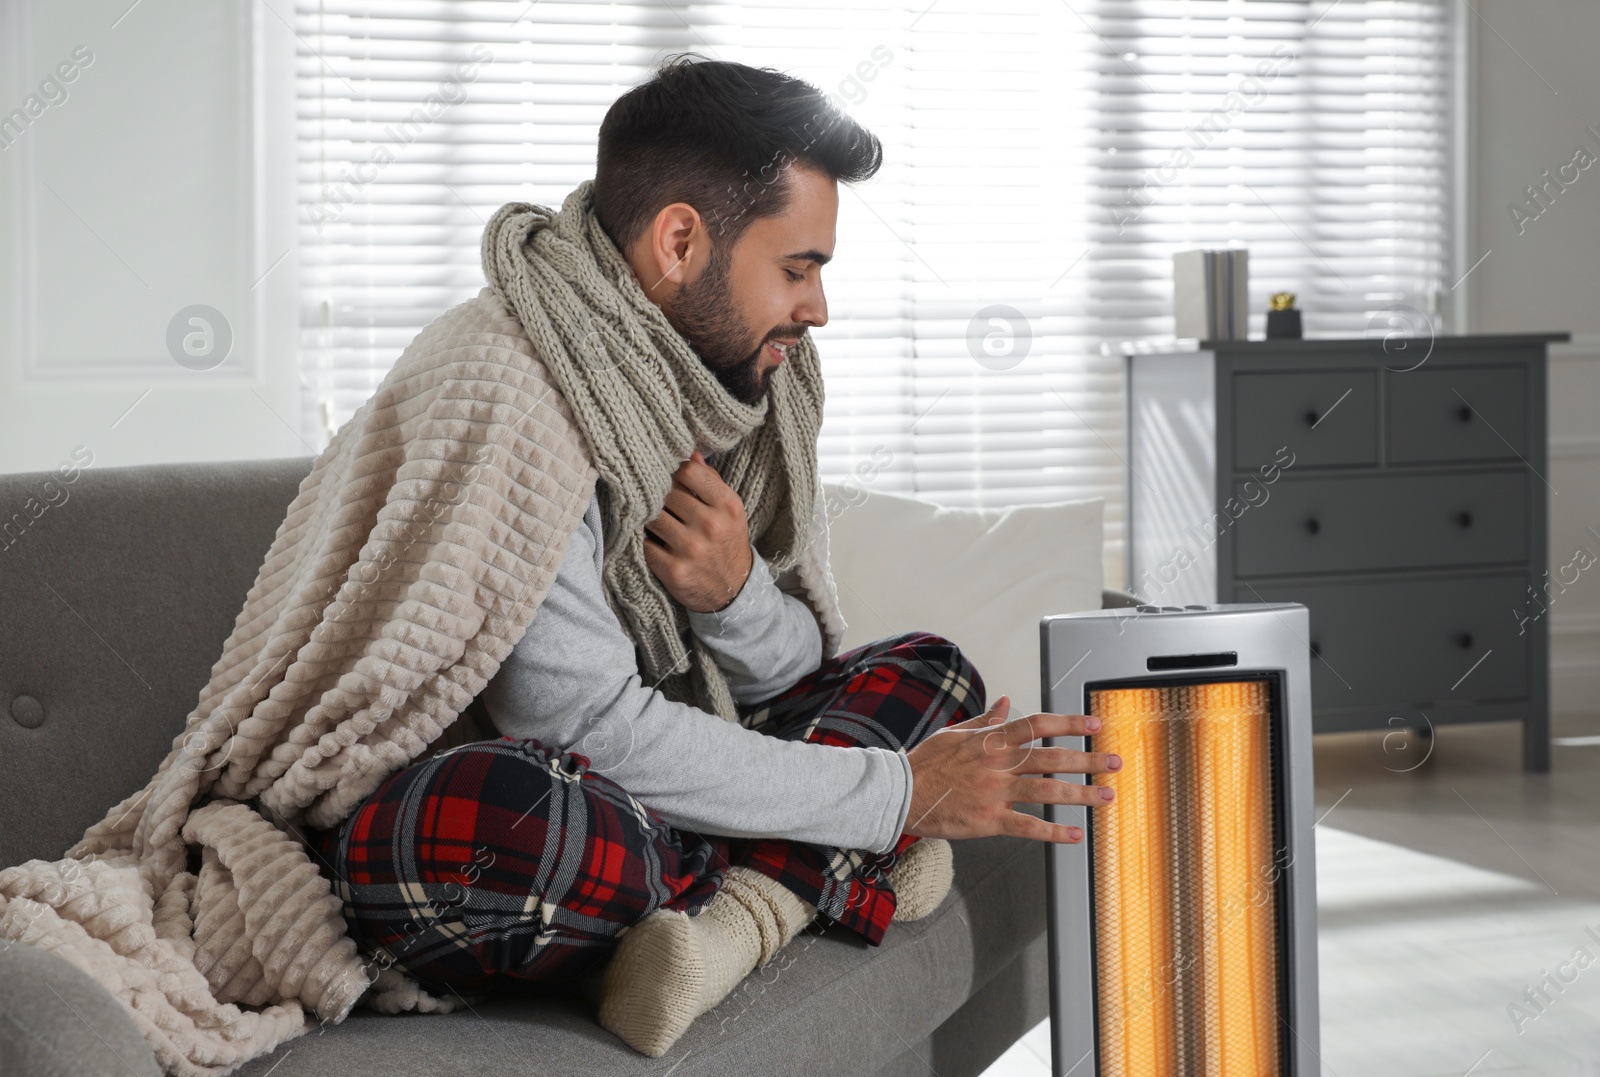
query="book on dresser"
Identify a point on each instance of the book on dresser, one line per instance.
(1398, 489)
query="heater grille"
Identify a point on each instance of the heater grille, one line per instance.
(1187, 950)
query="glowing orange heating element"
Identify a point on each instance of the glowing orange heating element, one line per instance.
(1184, 897)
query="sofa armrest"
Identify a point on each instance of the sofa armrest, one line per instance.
(56, 1021)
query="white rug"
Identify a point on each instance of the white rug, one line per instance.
(1424, 965)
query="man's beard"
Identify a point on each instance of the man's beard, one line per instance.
(703, 312)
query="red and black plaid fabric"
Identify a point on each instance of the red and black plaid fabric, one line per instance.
(890, 694)
(508, 859)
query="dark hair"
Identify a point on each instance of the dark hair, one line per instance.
(719, 136)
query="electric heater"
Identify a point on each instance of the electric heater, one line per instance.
(1183, 928)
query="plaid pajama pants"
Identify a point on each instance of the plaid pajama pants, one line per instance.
(508, 860)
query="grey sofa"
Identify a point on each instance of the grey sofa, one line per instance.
(113, 605)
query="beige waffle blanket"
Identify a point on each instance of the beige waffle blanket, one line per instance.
(410, 563)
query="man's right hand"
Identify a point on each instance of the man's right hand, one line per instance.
(966, 777)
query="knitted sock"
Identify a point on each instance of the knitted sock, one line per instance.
(921, 878)
(672, 967)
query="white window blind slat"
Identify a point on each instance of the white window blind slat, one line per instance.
(1045, 157)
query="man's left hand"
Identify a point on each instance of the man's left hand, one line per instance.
(699, 547)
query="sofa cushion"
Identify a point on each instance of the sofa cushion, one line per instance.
(114, 603)
(828, 1004)
(980, 577)
(55, 1021)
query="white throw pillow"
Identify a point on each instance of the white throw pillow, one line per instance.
(980, 577)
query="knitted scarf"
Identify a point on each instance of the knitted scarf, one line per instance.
(644, 401)
(409, 564)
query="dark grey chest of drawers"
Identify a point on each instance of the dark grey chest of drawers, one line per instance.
(1399, 492)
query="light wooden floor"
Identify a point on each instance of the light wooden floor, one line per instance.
(1471, 801)
(1445, 891)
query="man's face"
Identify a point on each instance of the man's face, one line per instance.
(755, 299)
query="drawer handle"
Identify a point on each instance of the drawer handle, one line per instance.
(1313, 526)
(1311, 417)
(1464, 519)
(1464, 413)
(1464, 641)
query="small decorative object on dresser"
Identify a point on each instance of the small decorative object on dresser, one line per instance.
(1397, 488)
(1283, 321)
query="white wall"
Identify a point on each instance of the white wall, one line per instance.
(1535, 92)
(149, 177)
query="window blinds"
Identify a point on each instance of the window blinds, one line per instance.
(1043, 161)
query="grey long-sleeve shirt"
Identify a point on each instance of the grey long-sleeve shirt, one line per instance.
(573, 683)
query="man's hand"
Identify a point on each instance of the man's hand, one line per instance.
(966, 777)
(699, 547)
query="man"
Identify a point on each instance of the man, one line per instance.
(687, 774)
